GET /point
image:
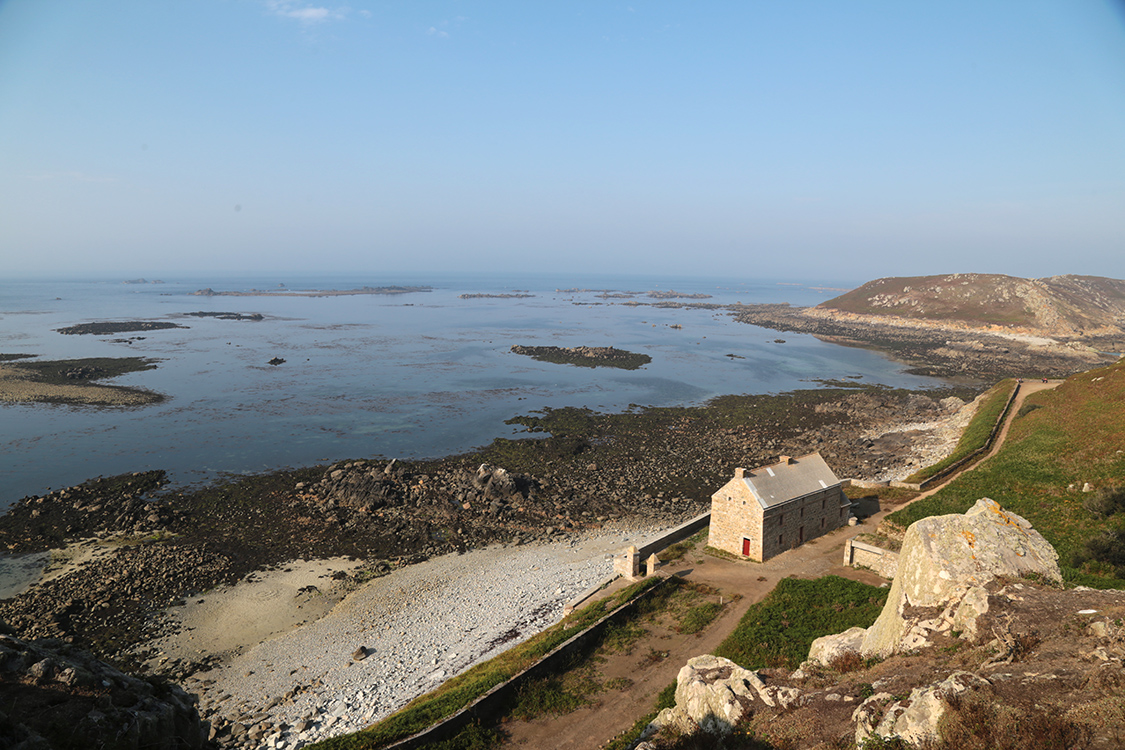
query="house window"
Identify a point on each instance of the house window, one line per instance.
(823, 500)
(841, 512)
(802, 512)
(781, 520)
(779, 542)
(822, 523)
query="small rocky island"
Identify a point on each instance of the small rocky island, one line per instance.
(585, 356)
(477, 295)
(226, 315)
(101, 328)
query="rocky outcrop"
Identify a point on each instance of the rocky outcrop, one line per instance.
(915, 719)
(944, 566)
(714, 694)
(978, 645)
(585, 356)
(53, 696)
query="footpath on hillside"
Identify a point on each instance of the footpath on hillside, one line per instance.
(591, 727)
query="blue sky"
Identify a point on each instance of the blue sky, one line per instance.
(780, 139)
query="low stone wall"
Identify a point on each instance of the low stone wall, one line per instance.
(678, 534)
(628, 563)
(882, 561)
(955, 467)
(503, 694)
(574, 603)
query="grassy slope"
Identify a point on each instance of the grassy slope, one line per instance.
(1068, 436)
(976, 434)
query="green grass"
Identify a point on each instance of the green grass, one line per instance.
(976, 434)
(777, 631)
(1073, 437)
(699, 617)
(463, 689)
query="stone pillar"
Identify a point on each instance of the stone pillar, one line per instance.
(627, 565)
(651, 564)
(848, 553)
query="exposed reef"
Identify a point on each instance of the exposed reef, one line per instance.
(585, 356)
(103, 328)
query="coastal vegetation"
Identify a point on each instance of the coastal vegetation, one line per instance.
(69, 371)
(72, 381)
(1063, 447)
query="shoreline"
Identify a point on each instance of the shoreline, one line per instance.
(286, 636)
(417, 627)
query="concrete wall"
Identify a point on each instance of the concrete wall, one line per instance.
(670, 537)
(882, 561)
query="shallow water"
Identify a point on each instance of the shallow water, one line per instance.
(413, 375)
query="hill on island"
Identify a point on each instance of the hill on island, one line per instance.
(1059, 306)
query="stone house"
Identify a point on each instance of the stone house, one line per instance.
(762, 513)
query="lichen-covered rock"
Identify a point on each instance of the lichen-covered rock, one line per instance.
(826, 648)
(713, 694)
(915, 719)
(944, 564)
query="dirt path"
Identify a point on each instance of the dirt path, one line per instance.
(614, 712)
(1026, 389)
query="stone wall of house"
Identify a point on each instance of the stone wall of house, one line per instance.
(817, 514)
(735, 515)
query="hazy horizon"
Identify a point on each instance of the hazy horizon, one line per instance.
(759, 140)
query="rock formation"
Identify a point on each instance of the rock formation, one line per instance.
(978, 644)
(944, 565)
(714, 694)
(53, 696)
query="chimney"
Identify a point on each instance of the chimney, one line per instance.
(785, 459)
(739, 473)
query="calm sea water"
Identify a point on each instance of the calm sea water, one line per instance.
(414, 375)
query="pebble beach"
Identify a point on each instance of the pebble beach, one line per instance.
(393, 639)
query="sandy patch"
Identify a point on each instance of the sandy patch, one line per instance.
(19, 572)
(17, 387)
(227, 620)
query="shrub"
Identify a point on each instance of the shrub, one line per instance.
(848, 661)
(974, 722)
(1107, 547)
(1106, 501)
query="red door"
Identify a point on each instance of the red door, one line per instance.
(746, 547)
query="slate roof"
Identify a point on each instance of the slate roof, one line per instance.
(782, 482)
